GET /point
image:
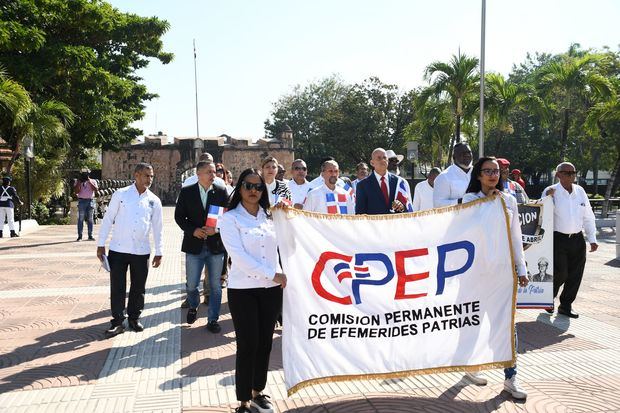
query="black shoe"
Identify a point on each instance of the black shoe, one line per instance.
(185, 304)
(14, 234)
(192, 315)
(261, 404)
(136, 325)
(568, 313)
(214, 327)
(114, 331)
(79, 238)
(243, 409)
(91, 238)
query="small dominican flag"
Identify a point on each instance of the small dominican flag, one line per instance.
(350, 190)
(283, 200)
(215, 212)
(336, 203)
(403, 197)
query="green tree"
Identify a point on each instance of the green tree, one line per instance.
(569, 81)
(458, 79)
(85, 54)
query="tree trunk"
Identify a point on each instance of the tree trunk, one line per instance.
(564, 137)
(595, 173)
(449, 161)
(610, 186)
(458, 129)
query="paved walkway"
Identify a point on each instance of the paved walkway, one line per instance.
(53, 358)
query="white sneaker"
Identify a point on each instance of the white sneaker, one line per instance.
(512, 386)
(476, 378)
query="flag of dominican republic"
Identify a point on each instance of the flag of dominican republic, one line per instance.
(336, 203)
(350, 190)
(402, 196)
(215, 212)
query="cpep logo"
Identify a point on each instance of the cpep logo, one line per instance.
(355, 267)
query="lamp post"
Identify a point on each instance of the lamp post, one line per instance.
(481, 122)
(28, 153)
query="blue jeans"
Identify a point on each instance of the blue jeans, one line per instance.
(511, 371)
(86, 209)
(194, 264)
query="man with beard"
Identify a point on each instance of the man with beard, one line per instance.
(451, 184)
(330, 198)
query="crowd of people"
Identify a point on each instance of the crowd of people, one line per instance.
(228, 234)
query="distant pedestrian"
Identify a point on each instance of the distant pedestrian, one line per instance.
(8, 197)
(517, 177)
(133, 212)
(85, 189)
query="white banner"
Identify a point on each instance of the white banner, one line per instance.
(392, 295)
(537, 229)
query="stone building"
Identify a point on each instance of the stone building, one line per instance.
(172, 162)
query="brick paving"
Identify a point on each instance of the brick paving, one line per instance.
(53, 357)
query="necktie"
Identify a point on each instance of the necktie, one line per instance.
(385, 190)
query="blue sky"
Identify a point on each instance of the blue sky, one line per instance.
(252, 52)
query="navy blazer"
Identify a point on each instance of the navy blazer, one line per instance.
(189, 215)
(369, 198)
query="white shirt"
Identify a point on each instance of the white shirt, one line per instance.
(450, 185)
(132, 215)
(572, 212)
(515, 227)
(298, 192)
(251, 243)
(423, 196)
(387, 181)
(316, 200)
(194, 178)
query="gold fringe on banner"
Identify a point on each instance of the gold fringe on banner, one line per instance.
(399, 374)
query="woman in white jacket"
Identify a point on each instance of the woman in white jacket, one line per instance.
(255, 284)
(486, 181)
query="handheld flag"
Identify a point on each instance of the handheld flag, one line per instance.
(215, 212)
(403, 197)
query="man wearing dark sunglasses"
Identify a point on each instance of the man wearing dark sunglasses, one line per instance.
(572, 214)
(299, 186)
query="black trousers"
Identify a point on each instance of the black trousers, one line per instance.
(569, 261)
(254, 312)
(138, 270)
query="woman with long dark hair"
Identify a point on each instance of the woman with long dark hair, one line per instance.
(486, 181)
(255, 285)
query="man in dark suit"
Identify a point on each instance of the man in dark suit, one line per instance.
(202, 244)
(375, 194)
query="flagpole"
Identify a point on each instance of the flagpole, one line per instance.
(196, 91)
(482, 39)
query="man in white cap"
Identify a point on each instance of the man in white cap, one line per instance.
(85, 188)
(393, 161)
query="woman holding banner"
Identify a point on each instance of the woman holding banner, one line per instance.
(255, 285)
(486, 181)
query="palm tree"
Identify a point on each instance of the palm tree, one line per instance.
(20, 118)
(503, 98)
(431, 128)
(458, 79)
(604, 118)
(571, 79)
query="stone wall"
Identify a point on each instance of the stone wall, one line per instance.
(171, 161)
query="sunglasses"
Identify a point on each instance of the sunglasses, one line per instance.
(220, 171)
(300, 168)
(490, 172)
(249, 186)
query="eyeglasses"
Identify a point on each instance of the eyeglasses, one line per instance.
(249, 186)
(490, 172)
(300, 168)
(570, 173)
